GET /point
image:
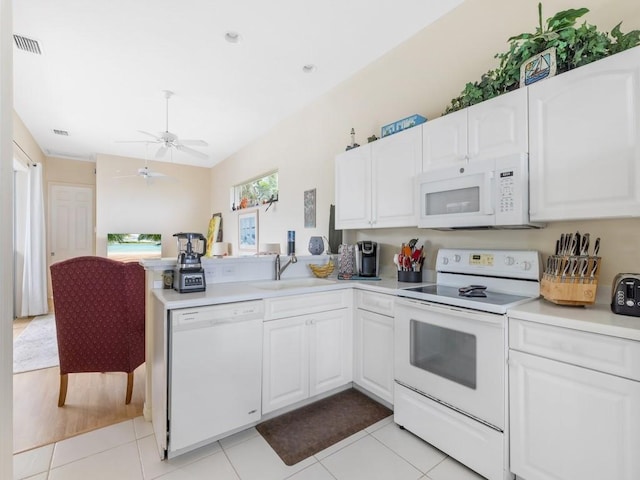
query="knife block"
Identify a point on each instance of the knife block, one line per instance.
(568, 290)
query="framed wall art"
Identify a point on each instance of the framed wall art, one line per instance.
(248, 233)
(310, 208)
(538, 67)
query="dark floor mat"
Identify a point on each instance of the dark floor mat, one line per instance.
(308, 430)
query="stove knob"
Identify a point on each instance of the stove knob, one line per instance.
(456, 258)
(445, 260)
(509, 260)
(526, 265)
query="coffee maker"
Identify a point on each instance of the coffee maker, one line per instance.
(367, 258)
(188, 276)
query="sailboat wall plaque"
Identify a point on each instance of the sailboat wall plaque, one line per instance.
(538, 67)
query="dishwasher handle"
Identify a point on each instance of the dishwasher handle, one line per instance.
(197, 318)
(193, 323)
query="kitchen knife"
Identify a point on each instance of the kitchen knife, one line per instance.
(596, 247)
(584, 245)
(584, 267)
(594, 269)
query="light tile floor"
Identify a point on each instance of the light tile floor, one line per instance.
(127, 451)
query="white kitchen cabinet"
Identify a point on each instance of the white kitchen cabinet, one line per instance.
(374, 184)
(567, 419)
(285, 362)
(373, 349)
(585, 141)
(491, 129)
(305, 355)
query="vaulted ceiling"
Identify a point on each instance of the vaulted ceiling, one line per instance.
(235, 68)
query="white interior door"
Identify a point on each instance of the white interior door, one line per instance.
(70, 222)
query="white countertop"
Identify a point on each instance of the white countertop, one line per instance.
(249, 290)
(596, 318)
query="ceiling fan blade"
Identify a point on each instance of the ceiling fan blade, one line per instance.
(195, 143)
(151, 173)
(161, 151)
(126, 176)
(134, 141)
(192, 152)
(157, 138)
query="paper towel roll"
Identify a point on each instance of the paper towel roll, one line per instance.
(220, 249)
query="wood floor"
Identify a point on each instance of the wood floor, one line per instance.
(94, 400)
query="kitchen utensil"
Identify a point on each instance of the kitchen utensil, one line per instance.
(584, 244)
(412, 243)
(596, 247)
(594, 269)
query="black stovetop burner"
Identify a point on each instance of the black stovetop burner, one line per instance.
(473, 291)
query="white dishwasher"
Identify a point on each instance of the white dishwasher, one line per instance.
(215, 371)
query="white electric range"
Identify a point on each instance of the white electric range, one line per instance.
(451, 350)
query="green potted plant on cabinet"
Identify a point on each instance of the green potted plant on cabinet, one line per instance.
(575, 46)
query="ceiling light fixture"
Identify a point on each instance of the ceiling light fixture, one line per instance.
(309, 68)
(232, 37)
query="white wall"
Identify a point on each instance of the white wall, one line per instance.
(419, 76)
(177, 203)
(6, 241)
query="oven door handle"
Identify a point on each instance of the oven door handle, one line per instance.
(420, 305)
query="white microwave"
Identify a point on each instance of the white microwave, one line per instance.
(492, 193)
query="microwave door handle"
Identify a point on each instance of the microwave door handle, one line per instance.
(488, 193)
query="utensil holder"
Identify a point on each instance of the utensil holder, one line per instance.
(571, 290)
(409, 276)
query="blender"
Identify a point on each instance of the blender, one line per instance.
(188, 276)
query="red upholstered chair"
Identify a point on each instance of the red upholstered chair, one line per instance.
(99, 311)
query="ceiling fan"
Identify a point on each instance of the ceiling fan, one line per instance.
(148, 175)
(169, 141)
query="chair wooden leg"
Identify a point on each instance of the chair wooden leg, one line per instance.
(64, 380)
(129, 387)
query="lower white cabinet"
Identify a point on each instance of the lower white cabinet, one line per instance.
(304, 356)
(373, 346)
(570, 422)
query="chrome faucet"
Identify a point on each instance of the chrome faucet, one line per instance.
(292, 259)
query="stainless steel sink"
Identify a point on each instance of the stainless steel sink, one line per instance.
(293, 283)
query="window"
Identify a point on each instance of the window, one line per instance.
(255, 192)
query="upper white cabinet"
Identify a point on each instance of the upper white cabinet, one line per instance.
(585, 141)
(375, 182)
(490, 129)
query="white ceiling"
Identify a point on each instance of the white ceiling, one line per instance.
(105, 64)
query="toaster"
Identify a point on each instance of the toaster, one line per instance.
(625, 296)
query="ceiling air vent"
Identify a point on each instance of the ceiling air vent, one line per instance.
(27, 44)
(61, 132)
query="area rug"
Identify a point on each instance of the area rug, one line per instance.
(37, 346)
(308, 430)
